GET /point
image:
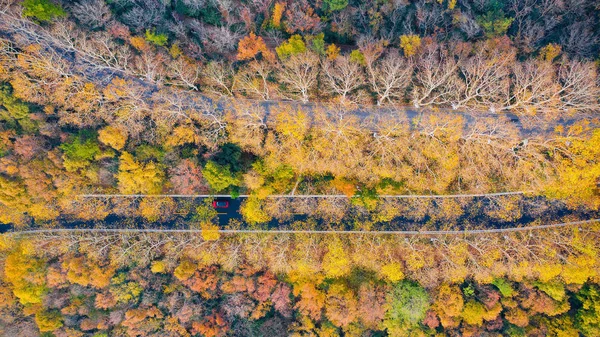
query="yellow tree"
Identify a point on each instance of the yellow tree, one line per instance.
(135, 177)
(336, 262)
(27, 275)
(112, 137)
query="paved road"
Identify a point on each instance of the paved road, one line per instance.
(242, 231)
(232, 212)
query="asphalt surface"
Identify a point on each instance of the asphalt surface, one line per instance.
(231, 212)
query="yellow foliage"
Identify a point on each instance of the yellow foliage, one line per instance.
(574, 274)
(415, 261)
(101, 275)
(135, 177)
(112, 137)
(185, 270)
(139, 43)
(332, 52)
(210, 232)
(77, 271)
(473, 313)
(253, 212)
(158, 267)
(175, 51)
(547, 271)
(410, 44)
(550, 52)
(392, 272)
(27, 275)
(517, 317)
(448, 305)
(155, 209)
(302, 271)
(181, 135)
(336, 262)
(42, 212)
(277, 14)
(292, 123)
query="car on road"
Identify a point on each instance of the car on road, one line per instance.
(220, 204)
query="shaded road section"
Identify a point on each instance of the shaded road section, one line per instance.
(250, 231)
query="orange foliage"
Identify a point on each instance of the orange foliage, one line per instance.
(212, 326)
(251, 45)
(311, 300)
(204, 282)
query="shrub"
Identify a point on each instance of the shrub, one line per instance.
(157, 39)
(42, 10)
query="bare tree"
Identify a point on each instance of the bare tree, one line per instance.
(343, 77)
(580, 39)
(389, 77)
(254, 80)
(146, 14)
(220, 40)
(579, 83)
(538, 86)
(92, 13)
(299, 73)
(248, 126)
(486, 77)
(436, 80)
(184, 72)
(218, 76)
(469, 26)
(150, 66)
(534, 88)
(429, 17)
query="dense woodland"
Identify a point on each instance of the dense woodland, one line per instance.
(539, 283)
(263, 97)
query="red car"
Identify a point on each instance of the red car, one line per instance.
(220, 204)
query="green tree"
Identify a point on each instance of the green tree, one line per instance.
(406, 307)
(219, 177)
(494, 22)
(293, 46)
(157, 39)
(587, 318)
(504, 286)
(13, 111)
(48, 320)
(334, 5)
(42, 10)
(554, 289)
(358, 57)
(317, 43)
(79, 153)
(123, 291)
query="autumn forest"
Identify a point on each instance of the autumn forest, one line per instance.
(299, 168)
